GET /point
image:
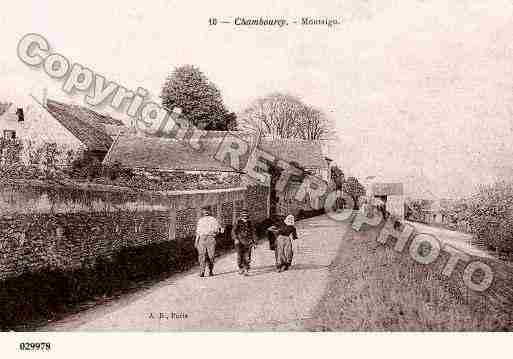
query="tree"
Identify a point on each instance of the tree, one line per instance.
(353, 188)
(337, 177)
(414, 209)
(198, 98)
(231, 122)
(10, 152)
(51, 153)
(284, 116)
(85, 165)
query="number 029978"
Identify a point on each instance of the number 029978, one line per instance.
(35, 346)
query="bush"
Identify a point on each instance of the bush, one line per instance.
(28, 160)
(85, 166)
(491, 216)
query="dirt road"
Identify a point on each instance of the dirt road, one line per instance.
(266, 300)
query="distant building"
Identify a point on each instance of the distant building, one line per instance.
(431, 211)
(392, 195)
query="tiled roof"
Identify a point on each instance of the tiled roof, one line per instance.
(306, 153)
(171, 154)
(86, 125)
(164, 154)
(91, 116)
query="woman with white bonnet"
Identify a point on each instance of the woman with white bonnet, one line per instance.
(285, 234)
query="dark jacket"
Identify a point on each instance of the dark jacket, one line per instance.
(286, 230)
(244, 232)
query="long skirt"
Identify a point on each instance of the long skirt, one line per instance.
(283, 251)
(272, 240)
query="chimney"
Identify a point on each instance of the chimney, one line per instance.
(45, 97)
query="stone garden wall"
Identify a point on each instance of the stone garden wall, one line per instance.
(67, 227)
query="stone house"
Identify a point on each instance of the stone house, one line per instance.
(172, 155)
(165, 154)
(431, 211)
(158, 155)
(154, 154)
(69, 126)
(391, 194)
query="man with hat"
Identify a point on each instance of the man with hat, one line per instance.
(245, 239)
(206, 230)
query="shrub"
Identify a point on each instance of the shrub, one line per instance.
(51, 152)
(491, 216)
(29, 160)
(11, 150)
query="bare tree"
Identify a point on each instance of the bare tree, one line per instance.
(284, 116)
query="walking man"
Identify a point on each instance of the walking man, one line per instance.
(245, 239)
(207, 229)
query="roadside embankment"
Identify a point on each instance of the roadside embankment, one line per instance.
(372, 287)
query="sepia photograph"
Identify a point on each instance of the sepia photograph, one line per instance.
(274, 168)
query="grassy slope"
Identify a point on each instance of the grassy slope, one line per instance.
(374, 288)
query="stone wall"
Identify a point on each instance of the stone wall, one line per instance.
(69, 227)
(287, 202)
(257, 202)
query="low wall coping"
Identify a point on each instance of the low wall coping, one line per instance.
(202, 191)
(112, 188)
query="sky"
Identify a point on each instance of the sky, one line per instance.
(421, 92)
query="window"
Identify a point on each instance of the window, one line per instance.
(21, 116)
(9, 134)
